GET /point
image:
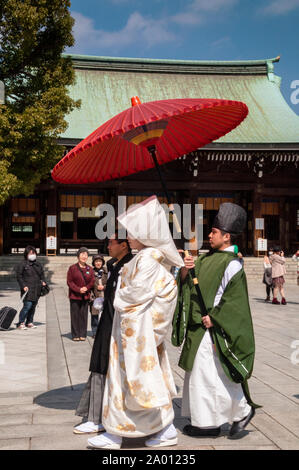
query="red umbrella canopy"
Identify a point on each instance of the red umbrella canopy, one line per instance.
(175, 127)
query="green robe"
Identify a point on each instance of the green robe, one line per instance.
(233, 330)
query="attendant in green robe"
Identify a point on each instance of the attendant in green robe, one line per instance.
(218, 350)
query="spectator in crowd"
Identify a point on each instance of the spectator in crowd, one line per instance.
(267, 278)
(96, 307)
(278, 261)
(80, 279)
(295, 257)
(31, 278)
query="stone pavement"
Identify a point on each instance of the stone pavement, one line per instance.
(43, 372)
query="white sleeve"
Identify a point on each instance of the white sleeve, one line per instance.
(233, 268)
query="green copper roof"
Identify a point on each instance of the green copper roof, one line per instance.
(105, 86)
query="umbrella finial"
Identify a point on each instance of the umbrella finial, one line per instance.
(135, 100)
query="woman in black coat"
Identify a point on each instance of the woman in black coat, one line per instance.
(30, 276)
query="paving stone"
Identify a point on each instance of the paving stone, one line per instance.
(275, 431)
(15, 444)
(36, 430)
(16, 419)
(57, 418)
(67, 441)
(38, 397)
(24, 399)
(241, 447)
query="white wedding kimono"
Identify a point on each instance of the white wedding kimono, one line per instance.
(209, 397)
(139, 385)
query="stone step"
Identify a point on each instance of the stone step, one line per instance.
(56, 267)
(62, 279)
(13, 260)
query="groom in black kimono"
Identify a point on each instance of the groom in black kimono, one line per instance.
(90, 405)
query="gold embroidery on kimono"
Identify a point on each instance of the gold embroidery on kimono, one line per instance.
(118, 403)
(140, 343)
(147, 363)
(127, 322)
(157, 256)
(160, 284)
(157, 318)
(124, 271)
(134, 274)
(129, 332)
(105, 411)
(146, 399)
(135, 387)
(126, 427)
(115, 350)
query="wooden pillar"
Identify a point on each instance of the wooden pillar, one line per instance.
(257, 213)
(7, 227)
(49, 207)
(283, 224)
(294, 203)
(240, 199)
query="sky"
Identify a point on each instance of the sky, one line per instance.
(193, 30)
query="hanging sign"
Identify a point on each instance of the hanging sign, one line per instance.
(261, 244)
(51, 243)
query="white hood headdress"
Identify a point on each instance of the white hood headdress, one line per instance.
(147, 223)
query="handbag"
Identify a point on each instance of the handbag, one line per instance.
(45, 289)
(98, 303)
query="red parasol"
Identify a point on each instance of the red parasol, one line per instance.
(148, 135)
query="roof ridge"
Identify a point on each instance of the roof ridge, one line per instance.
(81, 57)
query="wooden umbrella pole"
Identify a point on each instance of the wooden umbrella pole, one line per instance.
(152, 151)
(203, 309)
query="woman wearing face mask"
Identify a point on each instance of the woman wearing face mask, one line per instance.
(31, 278)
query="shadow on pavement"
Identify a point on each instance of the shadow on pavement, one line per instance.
(270, 302)
(65, 398)
(69, 335)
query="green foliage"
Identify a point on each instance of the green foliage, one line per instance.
(33, 35)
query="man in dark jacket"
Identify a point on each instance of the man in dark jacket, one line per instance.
(30, 276)
(90, 405)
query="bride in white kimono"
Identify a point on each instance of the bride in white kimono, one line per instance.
(139, 385)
